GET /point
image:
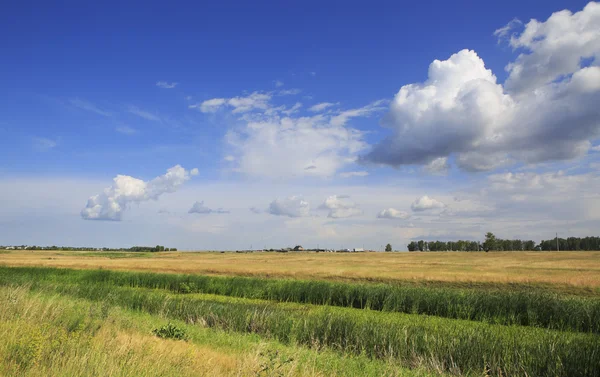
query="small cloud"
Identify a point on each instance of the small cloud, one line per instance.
(503, 32)
(294, 206)
(229, 158)
(351, 174)
(425, 203)
(278, 83)
(313, 73)
(311, 167)
(393, 214)
(595, 149)
(439, 166)
(166, 85)
(256, 210)
(321, 106)
(188, 98)
(143, 114)
(43, 144)
(339, 208)
(200, 208)
(127, 190)
(194, 172)
(164, 212)
(88, 106)
(289, 92)
(126, 130)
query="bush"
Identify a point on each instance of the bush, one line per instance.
(170, 331)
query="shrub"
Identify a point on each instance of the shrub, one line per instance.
(170, 331)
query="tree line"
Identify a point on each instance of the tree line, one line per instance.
(151, 249)
(492, 243)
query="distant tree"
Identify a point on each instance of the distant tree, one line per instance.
(490, 242)
(421, 245)
(412, 246)
(388, 247)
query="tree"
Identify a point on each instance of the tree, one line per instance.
(490, 242)
(412, 246)
(388, 247)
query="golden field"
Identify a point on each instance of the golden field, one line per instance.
(576, 269)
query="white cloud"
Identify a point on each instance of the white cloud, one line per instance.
(294, 206)
(321, 106)
(289, 92)
(199, 207)
(144, 114)
(114, 200)
(546, 111)
(503, 32)
(554, 48)
(229, 158)
(166, 85)
(293, 147)
(350, 174)
(595, 149)
(254, 101)
(342, 117)
(425, 203)
(294, 109)
(88, 106)
(393, 214)
(43, 144)
(339, 207)
(313, 73)
(124, 129)
(278, 83)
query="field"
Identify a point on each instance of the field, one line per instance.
(267, 314)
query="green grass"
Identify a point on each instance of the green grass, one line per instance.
(497, 306)
(455, 346)
(47, 335)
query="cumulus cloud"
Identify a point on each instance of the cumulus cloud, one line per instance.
(350, 174)
(425, 203)
(114, 200)
(321, 106)
(339, 207)
(545, 111)
(253, 101)
(199, 207)
(166, 85)
(278, 83)
(294, 206)
(393, 214)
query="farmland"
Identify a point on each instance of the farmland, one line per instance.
(464, 314)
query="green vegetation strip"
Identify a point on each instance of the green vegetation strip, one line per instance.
(46, 335)
(536, 308)
(456, 346)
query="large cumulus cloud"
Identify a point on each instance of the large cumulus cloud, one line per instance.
(546, 110)
(114, 200)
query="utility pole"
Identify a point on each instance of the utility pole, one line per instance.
(557, 247)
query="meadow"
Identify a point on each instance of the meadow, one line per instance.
(235, 318)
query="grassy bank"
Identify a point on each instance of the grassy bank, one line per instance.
(500, 306)
(47, 335)
(438, 344)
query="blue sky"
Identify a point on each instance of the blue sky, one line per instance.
(324, 114)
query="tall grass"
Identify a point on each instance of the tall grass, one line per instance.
(502, 306)
(456, 346)
(47, 335)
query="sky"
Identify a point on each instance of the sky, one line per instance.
(235, 125)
